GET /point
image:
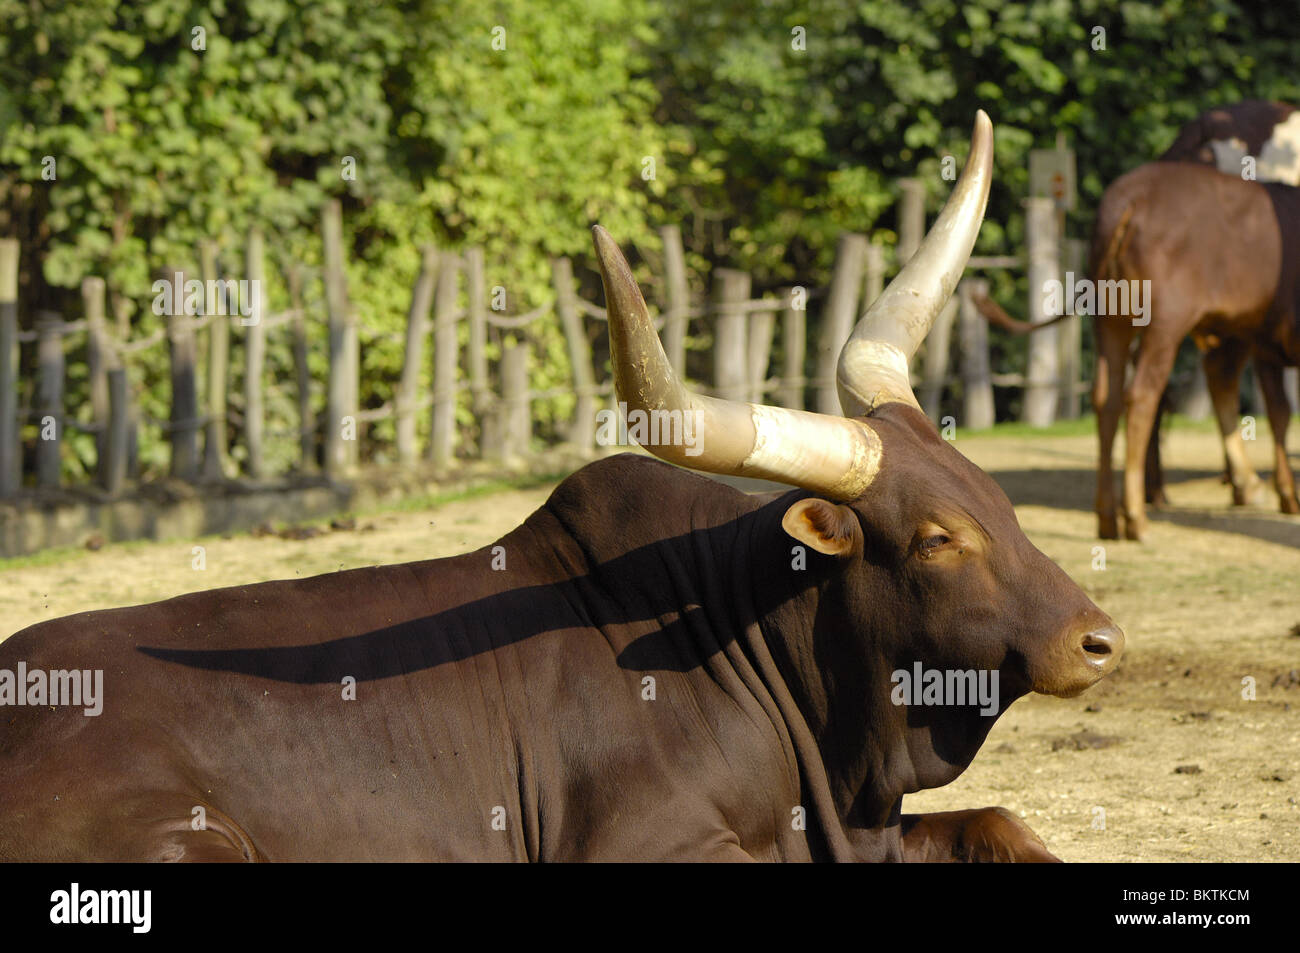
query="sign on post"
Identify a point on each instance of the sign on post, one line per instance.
(1051, 176)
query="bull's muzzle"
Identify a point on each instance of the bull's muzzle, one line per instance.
(1081, 660)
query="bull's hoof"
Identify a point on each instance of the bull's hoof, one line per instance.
(1135, 528)
(1252, 494)
(1108, 527)
(1157, 500)
(1290, 505)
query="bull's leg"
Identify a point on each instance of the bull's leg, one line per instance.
(1155, 472)
(1223, 367)
(1113, 338)
(1155, 361)
(171, 828)
(1279, 415)
(983, 835)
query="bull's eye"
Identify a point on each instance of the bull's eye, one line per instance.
(932, 544)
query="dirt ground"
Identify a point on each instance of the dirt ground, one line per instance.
(1163, 761)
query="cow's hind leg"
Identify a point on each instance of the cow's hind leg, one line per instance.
(1142, 401)
(172, 828)
(1113, 339)
(1279, 416)
(1155, 472)
(1223, 367)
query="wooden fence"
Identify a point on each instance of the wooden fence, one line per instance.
(744, 332)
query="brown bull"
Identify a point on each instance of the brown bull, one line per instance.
(654, 666)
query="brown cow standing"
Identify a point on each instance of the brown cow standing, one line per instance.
(1221, 254)
(1213, 249)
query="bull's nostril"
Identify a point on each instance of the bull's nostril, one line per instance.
(1103, 646)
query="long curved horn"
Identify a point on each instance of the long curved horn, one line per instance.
(873, 366)
(832, 456)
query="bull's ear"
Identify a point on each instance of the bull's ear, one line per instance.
(829, 528)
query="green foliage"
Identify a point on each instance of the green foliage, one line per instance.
(763, 129)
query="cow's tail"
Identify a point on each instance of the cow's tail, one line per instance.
(992, 312)
(1110, 239)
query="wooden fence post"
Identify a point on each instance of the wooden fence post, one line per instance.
(481, 403)
(417, 329)
(794, 331)
(10, 449)
(1069, 345)
(839, 317)
(114, 468)
(517, 421)
(935, 373)
(94, 303)
(762, 328)
(730, 371)
(677, 298)
(1042, 373)
(446, 357)
(977, 381)
(302, 372)
(49, 397)
(214, 439)
(582, 433)
(184, 431)
(341, 404)
(255, 356)
(873, 279)
(911, 218)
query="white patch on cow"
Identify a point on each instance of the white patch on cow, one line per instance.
(1227, 154)
(1279, 158)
